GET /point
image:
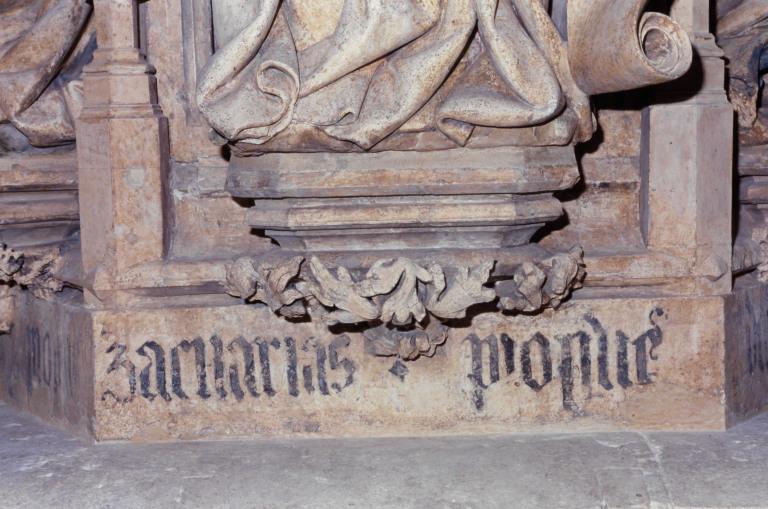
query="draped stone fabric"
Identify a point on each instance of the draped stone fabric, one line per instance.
(41, 55)
(742, 30)
(355, 72)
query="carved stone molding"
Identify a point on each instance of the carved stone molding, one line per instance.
(404, 306)
(36, 273)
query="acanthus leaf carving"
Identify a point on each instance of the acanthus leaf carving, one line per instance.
(340, 292)
(36, 273)
(10, 262)
(386, 340)
(399, 278)
(273, 280)
(402, 305)
(467, 289)
(267, 283)
(241, 279)
(546, 283)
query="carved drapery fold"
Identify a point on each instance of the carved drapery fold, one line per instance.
(355, 76)
(387, 66)
(41, 56)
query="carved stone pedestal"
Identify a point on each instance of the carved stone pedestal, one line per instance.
(454, 199)
(213, 371)
(326, 218)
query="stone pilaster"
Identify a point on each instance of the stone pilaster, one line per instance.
(122, 151)
(689, 162)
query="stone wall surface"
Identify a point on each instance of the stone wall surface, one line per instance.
(422, 217)
(746, 350)
(47, 362)
(202, 372)
(640, 363)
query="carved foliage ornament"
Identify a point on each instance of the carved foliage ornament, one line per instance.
(35, 273)
(401, 303)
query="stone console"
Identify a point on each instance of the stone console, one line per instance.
(379, 218)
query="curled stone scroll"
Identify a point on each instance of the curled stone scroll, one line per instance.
(614, 46)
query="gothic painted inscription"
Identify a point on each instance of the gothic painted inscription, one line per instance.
(238, 369)
(540, 360)
(589, 356)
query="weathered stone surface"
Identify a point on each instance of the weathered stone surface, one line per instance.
(742, 34)
(47, 360)
(196, 372)
(328, 384)
(405, 229)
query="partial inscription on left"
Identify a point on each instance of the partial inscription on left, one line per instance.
(242, 368)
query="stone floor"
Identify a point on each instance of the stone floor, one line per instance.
(43, 467)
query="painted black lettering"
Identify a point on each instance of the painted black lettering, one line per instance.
(508, 345)
(602, 354)
(266, 371)
(218, 366)
(291, 367)
(159, 364)
(566, 367)
(654, 336)
(546, 362)
(120, 360)
(336, 362)
(476, 374)
(622, 360)
(249, 367)
(322, 380)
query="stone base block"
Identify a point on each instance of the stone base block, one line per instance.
(193, 372)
